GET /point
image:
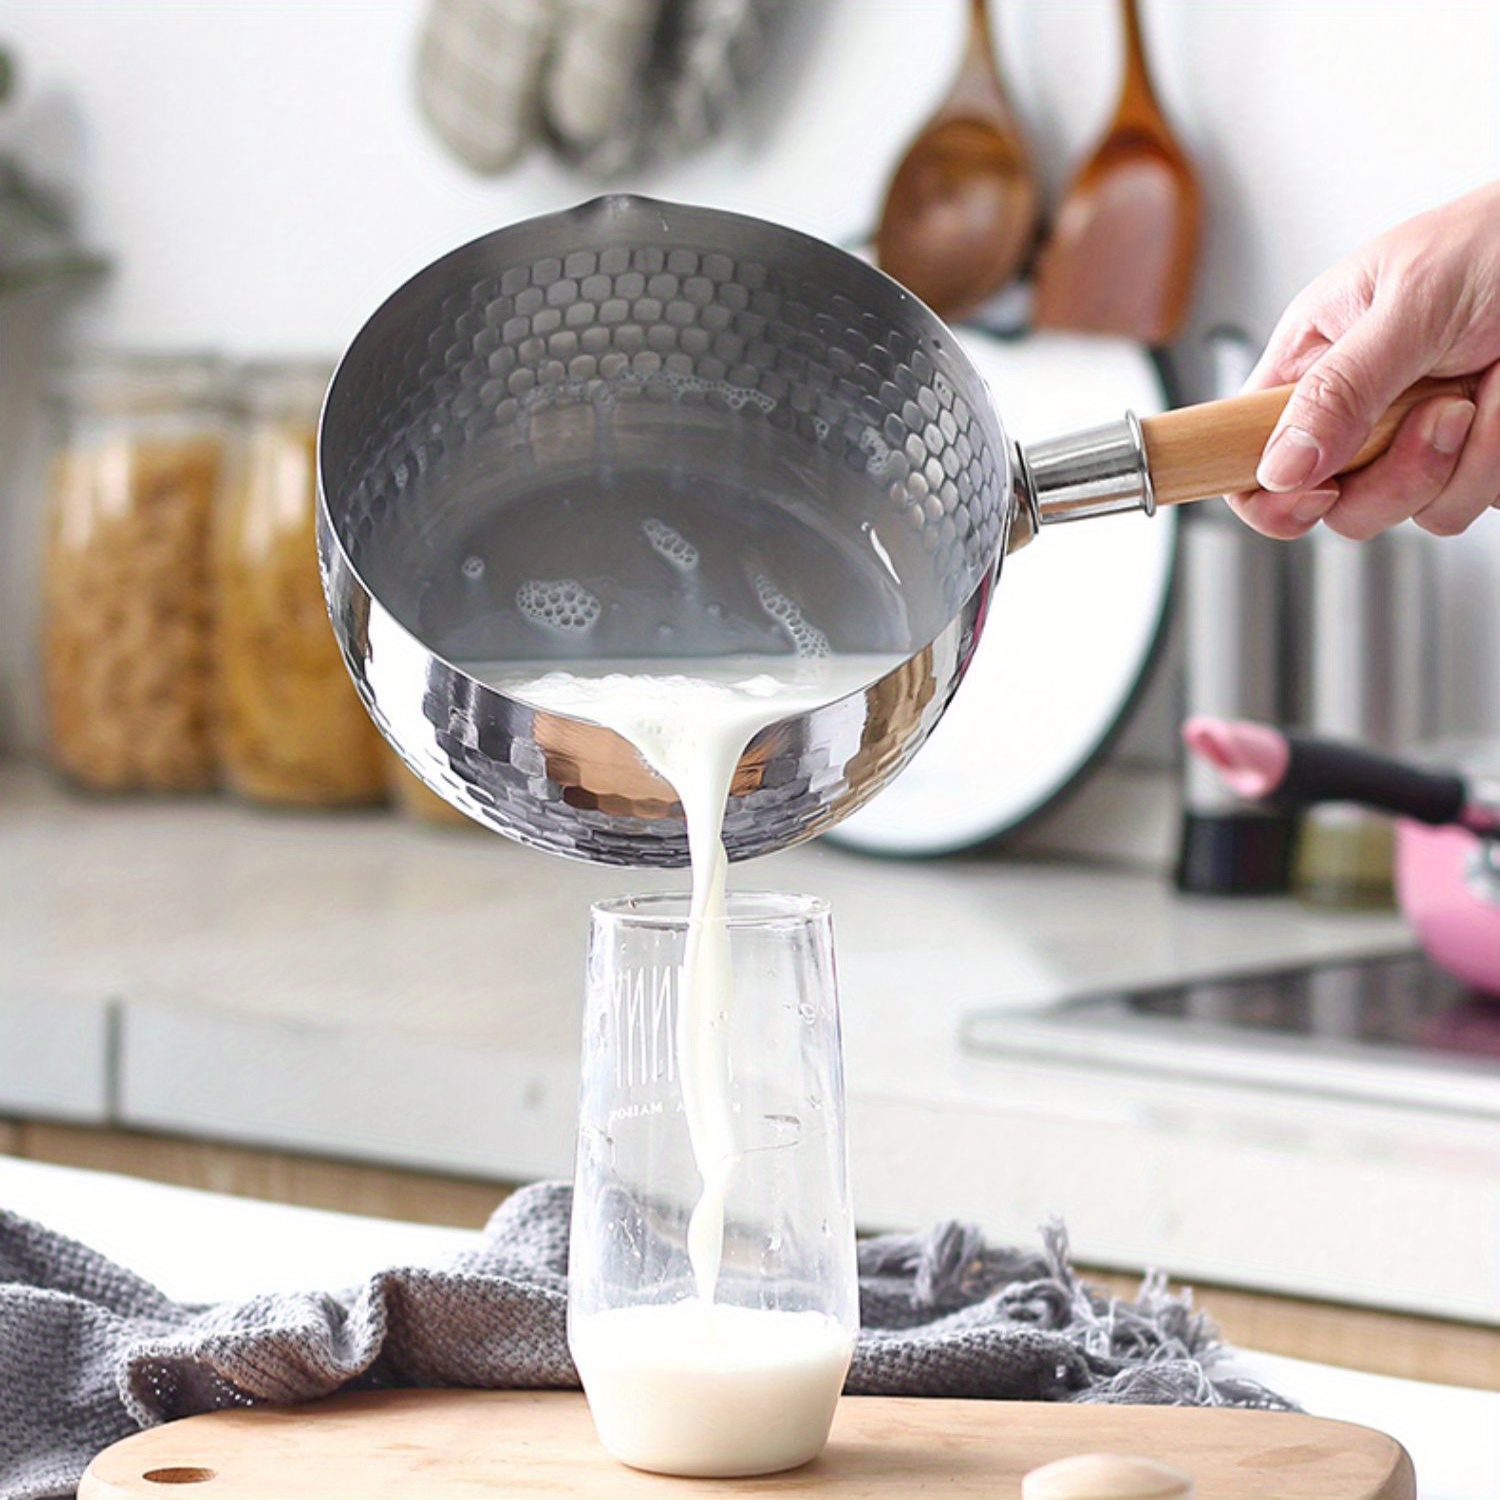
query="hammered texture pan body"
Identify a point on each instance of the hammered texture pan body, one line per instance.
(633, 332)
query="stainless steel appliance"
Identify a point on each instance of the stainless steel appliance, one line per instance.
(1389, 1029)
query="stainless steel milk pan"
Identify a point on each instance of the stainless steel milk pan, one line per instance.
(636, 430)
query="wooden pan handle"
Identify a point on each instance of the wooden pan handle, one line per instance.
(1197, 452)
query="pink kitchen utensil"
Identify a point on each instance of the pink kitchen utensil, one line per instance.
(1447, 833)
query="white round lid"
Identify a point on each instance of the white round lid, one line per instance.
(1074, 624)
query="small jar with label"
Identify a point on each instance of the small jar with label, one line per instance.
(291, 727)
(126, 631)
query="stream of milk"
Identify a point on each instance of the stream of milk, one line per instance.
(690, 721)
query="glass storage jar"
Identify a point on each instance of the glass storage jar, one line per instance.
(291, 727)
(127, 613)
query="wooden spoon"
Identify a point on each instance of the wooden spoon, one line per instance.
(1123, 252)
(960, 215)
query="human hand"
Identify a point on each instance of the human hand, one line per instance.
(1422, 299)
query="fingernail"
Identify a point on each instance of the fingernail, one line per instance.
(1313, 506)
(1452, 426)
(1289, 461)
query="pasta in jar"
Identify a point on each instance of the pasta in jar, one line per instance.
(291, 727)
(127, 625)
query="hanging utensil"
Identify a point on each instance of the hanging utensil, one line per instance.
(960, 214)
(1122, 254)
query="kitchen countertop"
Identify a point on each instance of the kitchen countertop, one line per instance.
(204, 1247)
(360, 986)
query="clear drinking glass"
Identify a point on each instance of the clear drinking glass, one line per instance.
(719, 1351)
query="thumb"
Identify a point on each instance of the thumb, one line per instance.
(1337, 401)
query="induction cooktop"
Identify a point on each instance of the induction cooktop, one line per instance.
(1391, 1029)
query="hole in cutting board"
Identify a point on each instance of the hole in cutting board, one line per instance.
(178, 1476)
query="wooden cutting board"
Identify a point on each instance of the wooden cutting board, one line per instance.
(477, 1445)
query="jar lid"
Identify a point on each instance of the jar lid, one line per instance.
(127, 382)
(283, 389)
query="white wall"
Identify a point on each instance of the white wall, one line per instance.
(259, 171)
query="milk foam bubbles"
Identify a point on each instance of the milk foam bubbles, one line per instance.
(709, 1389)
(562, 604)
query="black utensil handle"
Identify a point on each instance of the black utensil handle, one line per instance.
(1330, 771)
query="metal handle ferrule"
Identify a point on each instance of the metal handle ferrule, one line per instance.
(1093, 473)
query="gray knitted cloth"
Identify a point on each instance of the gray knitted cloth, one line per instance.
(89, 1352)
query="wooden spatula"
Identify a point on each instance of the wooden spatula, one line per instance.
(1123, 251)
(961, 212)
